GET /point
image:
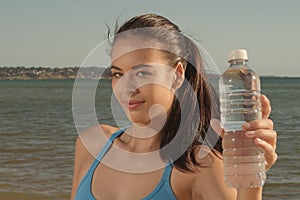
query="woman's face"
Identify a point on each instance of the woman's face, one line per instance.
(142, 83)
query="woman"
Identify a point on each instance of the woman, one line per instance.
(159, 80)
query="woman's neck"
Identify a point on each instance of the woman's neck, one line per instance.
(141, 139)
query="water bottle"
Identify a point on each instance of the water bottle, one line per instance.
(239, 86)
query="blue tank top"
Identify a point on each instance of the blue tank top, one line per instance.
(162, 191)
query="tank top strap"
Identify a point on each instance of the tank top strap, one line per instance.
(167, 171)
(163, 189)
(106, 148)
(109, 143)
(84, 188)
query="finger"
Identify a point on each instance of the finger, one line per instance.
(270, 154)
(269, 136)
(217, 126)
(258, 124)
(222, 133)
(266, 106)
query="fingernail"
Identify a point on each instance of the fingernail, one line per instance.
(246, 126)
(250, 133)
(260, 141)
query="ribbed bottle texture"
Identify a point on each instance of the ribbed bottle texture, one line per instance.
(244, 162)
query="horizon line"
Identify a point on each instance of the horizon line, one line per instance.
(3, 66)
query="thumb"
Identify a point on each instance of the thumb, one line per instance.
(266, 106)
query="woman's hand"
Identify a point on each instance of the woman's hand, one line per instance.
(261, 130)
(263, 133)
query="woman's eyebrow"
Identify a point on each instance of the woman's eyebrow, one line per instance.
(133, 68)
(115, 67)
(141, 66)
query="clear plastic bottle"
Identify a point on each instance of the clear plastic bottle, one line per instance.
(244, 162)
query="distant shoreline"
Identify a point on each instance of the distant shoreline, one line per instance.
(272, 76)
(71, 73)
(47, 73)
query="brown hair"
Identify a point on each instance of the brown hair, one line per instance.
(195, 95)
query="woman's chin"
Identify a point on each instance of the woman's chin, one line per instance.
(154, 121)
(139, 121)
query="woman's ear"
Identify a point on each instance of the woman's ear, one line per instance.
(178, 76)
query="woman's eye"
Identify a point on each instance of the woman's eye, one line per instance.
(116, 75)
(143, 73)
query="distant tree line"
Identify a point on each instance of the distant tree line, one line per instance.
(25, 73)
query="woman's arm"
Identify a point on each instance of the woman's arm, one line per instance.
(210, 178)
(88, 144)
(211, 183)
(83, 159)
(76, 168)
(249, 193)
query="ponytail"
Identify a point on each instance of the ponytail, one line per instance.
(199, 98)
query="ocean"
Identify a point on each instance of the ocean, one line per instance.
(37, 134)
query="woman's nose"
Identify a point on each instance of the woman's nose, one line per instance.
(127, 84)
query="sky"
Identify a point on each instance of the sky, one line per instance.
(61, 33)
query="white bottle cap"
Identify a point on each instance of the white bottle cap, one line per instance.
(236, 54)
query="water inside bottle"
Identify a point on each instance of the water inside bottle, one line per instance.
(239, 98)
(244, 163)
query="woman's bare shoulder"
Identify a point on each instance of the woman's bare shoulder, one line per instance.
(93, 138)
(210, 177)
(88, 144)
(102, 129)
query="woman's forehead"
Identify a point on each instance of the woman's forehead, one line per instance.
(140, 57)
(124, 45)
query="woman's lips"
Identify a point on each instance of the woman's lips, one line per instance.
(132, 104)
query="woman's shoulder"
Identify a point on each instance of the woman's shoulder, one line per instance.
(103, 129)
(209, 176)
(210, 161)
(93, 138)
(199, 181)
(88, 144)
